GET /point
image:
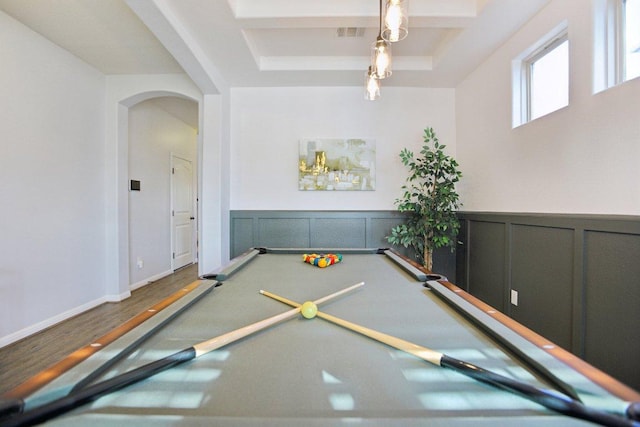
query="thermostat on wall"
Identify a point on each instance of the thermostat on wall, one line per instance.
(134, 186)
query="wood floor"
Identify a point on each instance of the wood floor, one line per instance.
(25, 358)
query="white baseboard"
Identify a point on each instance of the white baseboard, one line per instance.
(149, 280)
(23, 333)
(117, 298)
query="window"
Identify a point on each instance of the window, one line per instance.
(616, 42)
(549, 79)
(541, 77)
(631, 32)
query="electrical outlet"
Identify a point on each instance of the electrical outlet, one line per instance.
(514, 297)
(140, 263)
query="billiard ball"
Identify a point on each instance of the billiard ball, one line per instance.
(309, 310)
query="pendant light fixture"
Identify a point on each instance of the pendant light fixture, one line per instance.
(396, 28)
(396, 20)
(380, 54)
(371, 86)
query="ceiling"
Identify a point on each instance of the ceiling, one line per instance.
(249, 43)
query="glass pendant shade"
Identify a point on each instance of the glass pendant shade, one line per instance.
(381, 59)
(371, 86)
(396, 20)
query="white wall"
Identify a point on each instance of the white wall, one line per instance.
(154, 135)
(581, 159)
(214, 182)
(52, 122)
(268, 123)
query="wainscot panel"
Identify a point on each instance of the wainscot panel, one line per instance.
(542, 266)
(324, 229)
(577, 279)
(326, 232)
(486, 255)
(612, 302)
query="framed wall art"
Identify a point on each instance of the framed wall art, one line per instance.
(337, 164)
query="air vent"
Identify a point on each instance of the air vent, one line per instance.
(350, 32)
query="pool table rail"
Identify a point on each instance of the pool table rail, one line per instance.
(604, 380)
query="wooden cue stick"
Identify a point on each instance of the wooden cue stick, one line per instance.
(548, 398)
(125, 352)
(224, 339)
(93, 392)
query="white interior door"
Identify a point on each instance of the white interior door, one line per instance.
(182, 216)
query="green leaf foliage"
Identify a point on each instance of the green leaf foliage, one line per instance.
(429, 197)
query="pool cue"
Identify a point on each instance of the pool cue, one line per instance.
(93, 392)
(548, 398)
(99, 371)
(16, 402)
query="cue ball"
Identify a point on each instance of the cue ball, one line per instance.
(309, 310)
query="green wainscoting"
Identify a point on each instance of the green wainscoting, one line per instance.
(577, 278)
(323, 229)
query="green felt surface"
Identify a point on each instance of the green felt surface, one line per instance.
(309, 369)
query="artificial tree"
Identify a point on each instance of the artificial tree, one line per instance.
(430, 200)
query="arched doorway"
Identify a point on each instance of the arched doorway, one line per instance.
(168, 104)
(162, 174)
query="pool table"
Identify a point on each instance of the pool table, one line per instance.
(312, 372)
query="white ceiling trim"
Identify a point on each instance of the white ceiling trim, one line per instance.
(339, 63)
(282, 9)
(313, 63)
